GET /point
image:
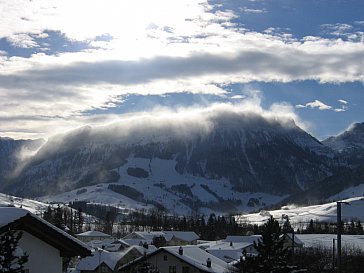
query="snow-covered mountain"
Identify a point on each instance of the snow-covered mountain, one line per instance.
(217, 161)
(350, 144)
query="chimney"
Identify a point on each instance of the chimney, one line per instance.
(231, 243)
(180, 250)
(208, 263)
(145, 245)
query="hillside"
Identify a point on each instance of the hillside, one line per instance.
(216, 161)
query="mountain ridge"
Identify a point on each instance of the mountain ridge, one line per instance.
(244, 153)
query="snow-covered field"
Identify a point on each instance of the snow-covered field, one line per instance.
(327, 213)
(326, 240)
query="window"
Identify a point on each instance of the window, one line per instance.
(172, 269)
(25, 271)
(185, 269)
(165, 258)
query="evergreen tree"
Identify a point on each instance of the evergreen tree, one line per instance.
(48, 215)
(78, 222)
(359, 227)
(159, 241)
(287, 228)
(58, 217)
(311, 228)
(272, 256)
(12, 258)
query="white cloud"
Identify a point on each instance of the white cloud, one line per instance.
(249, 10)
(343, 101)
(22, 40)
(316, 104)
(344, 30)
(163, 47)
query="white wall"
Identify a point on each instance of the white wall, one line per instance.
(43, 258)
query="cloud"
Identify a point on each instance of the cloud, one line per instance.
(249, 10)
(346, 31)
(316, 104)
(22, 40)
(164, 47)
(343, 102)
(162, 123)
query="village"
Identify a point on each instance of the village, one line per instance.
(51, 249)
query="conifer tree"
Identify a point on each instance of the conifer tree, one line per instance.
(272, 256)
(12, 258)
(287, 228)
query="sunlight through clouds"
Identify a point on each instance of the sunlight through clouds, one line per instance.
(63, 59)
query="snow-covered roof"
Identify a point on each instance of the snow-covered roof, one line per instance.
(242, 239)
(197, 257)
(142, 250)
(93, 233)
(148, 236)
(240, 246)
(187, 236)
(136, 242)
(10, 214)
(228, 251)
(99, 257)
(109, 258)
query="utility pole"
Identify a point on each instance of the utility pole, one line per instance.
(338, 206)
(339, 224)
(333, 254)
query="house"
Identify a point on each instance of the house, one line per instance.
(107, 262)
(109, 244)
(243, 239)
(100, 261)
(92, 235)
(178, 259)
(181, 238)
(135, 252)
(231, 251)
(172, 237)
(291, 240)
(47, 246)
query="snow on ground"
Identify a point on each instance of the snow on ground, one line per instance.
(157, 187)
(28, 204)
(300, 215)
(326, 240)
(98, 194)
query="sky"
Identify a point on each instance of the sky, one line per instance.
(65, 63)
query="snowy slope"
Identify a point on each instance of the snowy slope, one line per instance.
(206, 193)
(28, 204)
(302, 215)
(349, 193)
